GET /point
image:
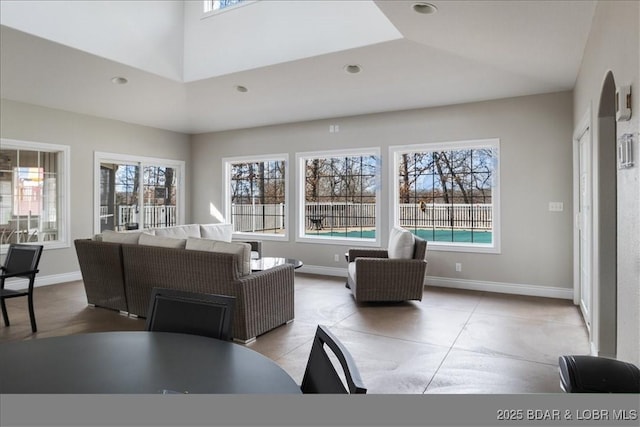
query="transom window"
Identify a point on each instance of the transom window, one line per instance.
(34, 193)
(135, 193)
(256, 195)
(448, 193)
(212, 6)
(339, 195)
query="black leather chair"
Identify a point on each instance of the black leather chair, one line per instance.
(321, 376)
(21, 261)
(194, 313)
(592, 374)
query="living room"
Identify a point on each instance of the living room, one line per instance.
(536, 254)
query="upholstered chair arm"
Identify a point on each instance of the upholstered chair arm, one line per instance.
(367, 253)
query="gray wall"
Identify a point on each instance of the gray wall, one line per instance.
(614, 45)
(536, 164)
(85, 135)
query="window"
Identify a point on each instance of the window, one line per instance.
(34, 189)
(448, 194)
(339, 196)
(134, 193)
(256, 195)
(212, 6)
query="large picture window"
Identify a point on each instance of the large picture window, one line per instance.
(256, 195)
(448, 193)
(339, 195)
(34, 193)
(135, 193)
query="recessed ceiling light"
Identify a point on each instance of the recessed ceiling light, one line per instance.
(242, 89)
(424, 8)
(119, 81)
(352, 68)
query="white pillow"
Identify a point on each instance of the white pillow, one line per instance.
(179, 231)
(130, 237)
(401, 243)
(163, 242)
(221, 232)
(243, 250)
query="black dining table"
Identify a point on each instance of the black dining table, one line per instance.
(140, 363)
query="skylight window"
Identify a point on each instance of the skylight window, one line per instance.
(212, 6)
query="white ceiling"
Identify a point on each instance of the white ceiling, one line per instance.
(291, 57)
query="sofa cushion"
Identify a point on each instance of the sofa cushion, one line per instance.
(179, 231)
(161, 241)
(130, 237)
(221, 232)
(242, 250)
(401, 243)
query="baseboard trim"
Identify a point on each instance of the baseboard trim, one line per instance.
(471, 285)
(51, 279)
(500, 287)
(444, 282)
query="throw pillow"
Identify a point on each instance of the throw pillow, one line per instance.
(401, 244)
(221, 232)
(163, 242)
(179, 231)
(131, 237)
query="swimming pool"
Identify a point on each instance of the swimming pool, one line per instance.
(458, 236)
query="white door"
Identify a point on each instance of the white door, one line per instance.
(584, 225)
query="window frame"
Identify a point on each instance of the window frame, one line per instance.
(104, 157)
(63, 184)
(395, 153)
(210, 11)
(301, 236)
(226, 179)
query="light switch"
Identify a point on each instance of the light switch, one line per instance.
(556, 206)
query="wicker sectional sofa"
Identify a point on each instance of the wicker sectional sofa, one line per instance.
(121, 275)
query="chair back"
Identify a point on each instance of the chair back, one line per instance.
(22, 259)
(321, 376)
(194, 313)
(419, 248)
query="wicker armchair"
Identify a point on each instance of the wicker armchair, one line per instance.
(373, 276)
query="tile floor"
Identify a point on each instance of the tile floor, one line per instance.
(453, 341)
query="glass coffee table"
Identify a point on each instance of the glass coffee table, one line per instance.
(268, 262)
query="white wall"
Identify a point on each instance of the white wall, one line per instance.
(614, 45)
(536, 164)
(85, 134)
(144, 34)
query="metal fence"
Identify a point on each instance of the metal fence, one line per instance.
(257, 217)
(153, 216)
(456, 216)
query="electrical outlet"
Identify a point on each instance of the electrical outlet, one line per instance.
(458, 266)
(336, 257)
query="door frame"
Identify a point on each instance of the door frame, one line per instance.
(584, 127)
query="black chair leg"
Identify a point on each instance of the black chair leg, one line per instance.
(5, 316)
(32, 315)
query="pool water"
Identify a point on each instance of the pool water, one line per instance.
(459, 236)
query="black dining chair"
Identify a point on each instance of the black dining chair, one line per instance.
(321, 376)
(21, 261)
(172, 310)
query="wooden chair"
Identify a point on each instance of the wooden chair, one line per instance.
(21, 261)
(194, 313)
(321, 376)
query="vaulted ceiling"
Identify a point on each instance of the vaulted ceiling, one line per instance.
(183, 69)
